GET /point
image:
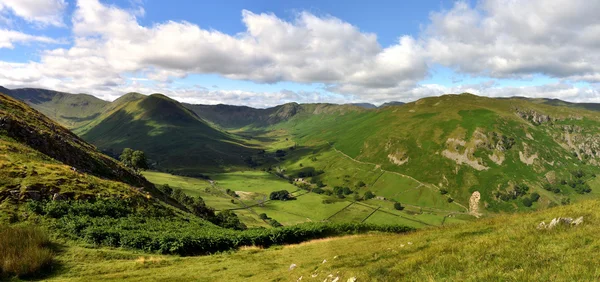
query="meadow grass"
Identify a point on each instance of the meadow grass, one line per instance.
(24, 251)
(501, 248)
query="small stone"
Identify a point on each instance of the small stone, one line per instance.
(292, 266)
(336, 279)
(300, 278)
(351, 279)
(410, 243)
(324, 261)
(541, 226)
(314, 275)
(577, 221)
(335, 257)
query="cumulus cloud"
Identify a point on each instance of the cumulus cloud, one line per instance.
(507, 38)
(495, 38)
(492, 89)
(41, 12)
(9, 37)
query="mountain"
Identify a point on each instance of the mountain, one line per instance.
(70, 110)
(235, 117)
(364, 105)
(172, 136)
(40, 159)
(500, 152)
(393, 103)
(509, 153)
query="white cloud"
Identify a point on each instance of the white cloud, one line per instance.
(491, 89)
(41, 12)
(508, 38)
(496, 38)
(9, 37)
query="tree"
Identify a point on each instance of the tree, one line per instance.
(361, 184)
(263, 216)
(282, 195)
(125, 157)
(134, 159)
(369, 195)
(138, 160)
(398, 206)
(535, 197)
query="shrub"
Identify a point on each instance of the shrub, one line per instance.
(398, 206)
(166, 189)
(369, 195)
(535, 197)
(282, 195)
(274, 223)
(318, 190)
(361, 184)
(228, 219)
(24, 251)
(443, 191)
(263, 216)
(450, 200)
(527, 202)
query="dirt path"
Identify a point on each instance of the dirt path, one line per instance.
(378, 166)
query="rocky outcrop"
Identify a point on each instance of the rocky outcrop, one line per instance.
(560, 221)
(533, 116)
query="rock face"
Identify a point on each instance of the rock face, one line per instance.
(474, 204)
(560, 221)
(534, 117)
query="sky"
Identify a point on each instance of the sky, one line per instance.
(264, 53)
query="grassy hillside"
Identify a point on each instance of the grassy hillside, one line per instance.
(461, 144)
(172, 136)
(25, 129)
(70, 110)
(502, 248)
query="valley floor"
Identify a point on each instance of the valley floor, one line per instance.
(506, 247)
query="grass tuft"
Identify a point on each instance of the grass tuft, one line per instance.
(24, 251)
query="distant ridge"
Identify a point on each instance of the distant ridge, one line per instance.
(392, 103)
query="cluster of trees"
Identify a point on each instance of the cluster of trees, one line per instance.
(520, 189)
(528, 201)
(398, 206)
(134, 159)
(578, 184)
(551, 188)
(282, 195)
(342, 192)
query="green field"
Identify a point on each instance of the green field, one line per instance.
(255, 186)
(503, 248)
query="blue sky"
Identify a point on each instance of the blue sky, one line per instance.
(262, 53)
